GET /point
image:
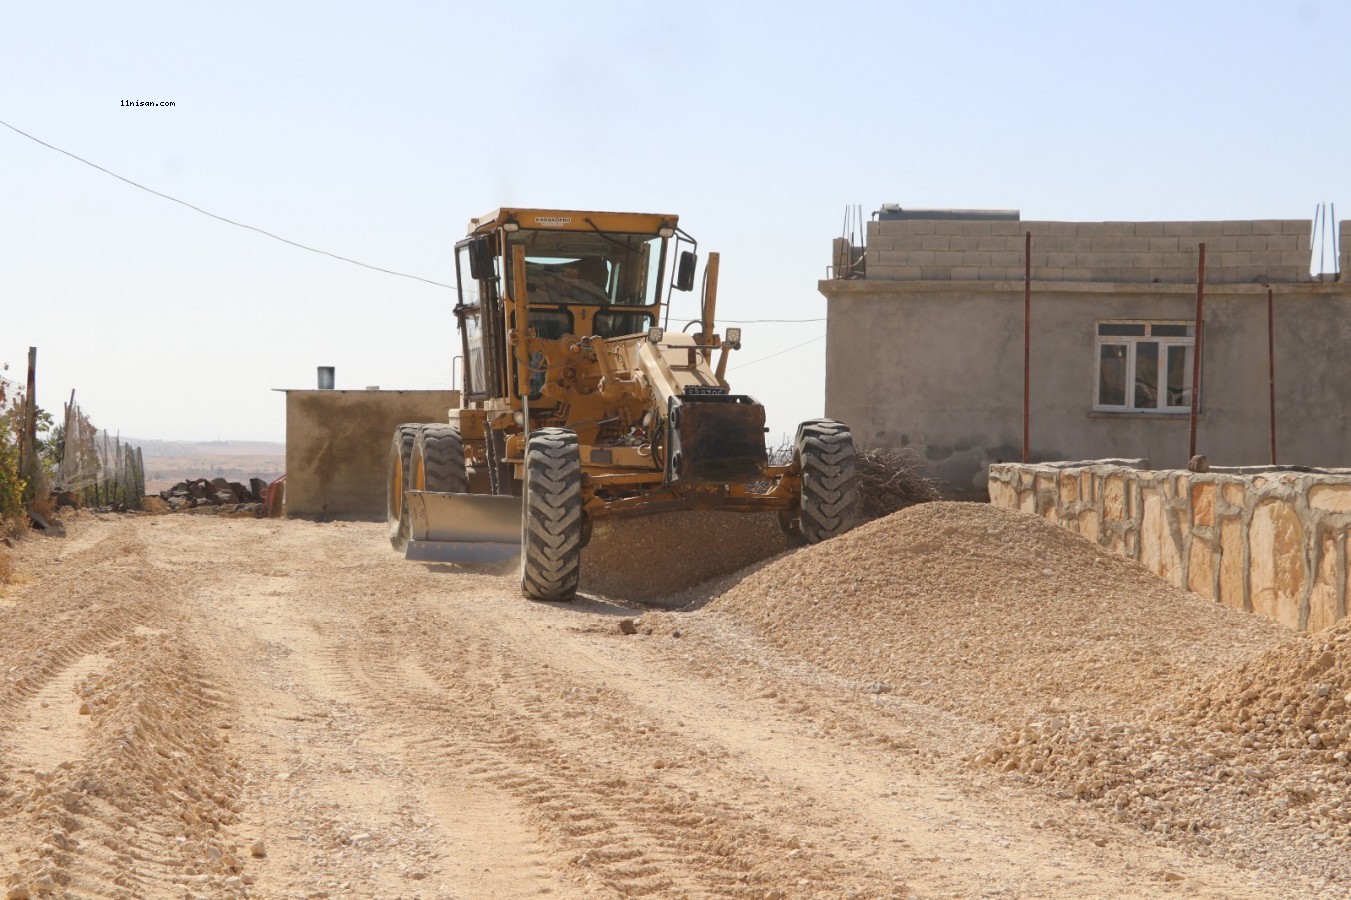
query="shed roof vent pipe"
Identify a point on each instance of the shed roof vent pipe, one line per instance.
(325, 378)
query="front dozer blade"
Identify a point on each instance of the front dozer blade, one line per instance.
(463, 528)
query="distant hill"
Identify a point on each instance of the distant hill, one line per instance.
(169, 462)
(154, 447)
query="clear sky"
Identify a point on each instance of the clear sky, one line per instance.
(376, 131)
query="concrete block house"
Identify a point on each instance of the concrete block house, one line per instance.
(925, 333)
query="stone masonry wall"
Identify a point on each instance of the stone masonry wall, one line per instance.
(1274, 542)
(1268, 250)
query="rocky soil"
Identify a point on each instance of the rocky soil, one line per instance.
(952, 701)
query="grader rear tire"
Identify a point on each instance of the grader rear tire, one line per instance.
(824, 453)
(400, 459)
(438, 461)
(552, 523)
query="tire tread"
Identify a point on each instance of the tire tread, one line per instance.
(824, 451)
(552, 520)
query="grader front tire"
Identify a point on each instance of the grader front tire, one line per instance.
(396, 482)
(824, 453)
(552, 523)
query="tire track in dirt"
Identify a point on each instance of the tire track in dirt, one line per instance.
(613, 790)
(329, 786)
(106, 819)
(558, 799)
(53, 721)
(526, 707)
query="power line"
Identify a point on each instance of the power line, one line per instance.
(204, 212)
(780, 353)
(767, 321)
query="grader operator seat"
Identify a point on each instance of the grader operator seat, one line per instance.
(593, 271)
(575, 281)
(584, 280)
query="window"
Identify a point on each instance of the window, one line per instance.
(1144, 366)
(468, 311)
(590, 267)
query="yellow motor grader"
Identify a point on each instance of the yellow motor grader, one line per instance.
(580, 403)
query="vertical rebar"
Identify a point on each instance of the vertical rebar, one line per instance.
(1197, 343)
(1027, 340)
(1271, 371)
(1323, 237)
(1336, 241)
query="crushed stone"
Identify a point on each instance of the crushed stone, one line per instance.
(998, 615)
(660, 555)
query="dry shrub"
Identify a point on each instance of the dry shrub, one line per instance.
(154, 506)
(6, 565)
(43, 505)
(14, 526)
(890, 480)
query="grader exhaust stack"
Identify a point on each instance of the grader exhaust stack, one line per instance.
(578, 406)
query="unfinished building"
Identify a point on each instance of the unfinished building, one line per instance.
(925, 342)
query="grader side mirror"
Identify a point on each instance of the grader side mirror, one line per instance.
(481, 259)
(684, 280)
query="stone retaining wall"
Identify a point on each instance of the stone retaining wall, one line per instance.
(1272, 541)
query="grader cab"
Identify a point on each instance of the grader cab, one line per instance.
(580, 402)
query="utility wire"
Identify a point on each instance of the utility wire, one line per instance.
(764, 321)
(204, 212)
(780, 353)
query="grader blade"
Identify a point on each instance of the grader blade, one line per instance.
(463, 528)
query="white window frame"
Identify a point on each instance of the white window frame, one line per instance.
(1132, 342)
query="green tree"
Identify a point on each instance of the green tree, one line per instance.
(11, 426)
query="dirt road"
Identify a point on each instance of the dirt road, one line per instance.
(195, 706)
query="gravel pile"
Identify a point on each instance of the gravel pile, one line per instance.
(1293, 697)
(994, 614)
(668, 554)
(1251, 762)
(1203, 726)
(656, 556)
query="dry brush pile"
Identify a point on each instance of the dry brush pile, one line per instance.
(891, 480)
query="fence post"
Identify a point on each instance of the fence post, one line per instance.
(28, 443)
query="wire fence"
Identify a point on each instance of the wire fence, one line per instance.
(71, 463)
(97, 466)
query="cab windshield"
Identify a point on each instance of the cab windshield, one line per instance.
(595, 268)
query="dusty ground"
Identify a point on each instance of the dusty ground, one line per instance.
(193, 706)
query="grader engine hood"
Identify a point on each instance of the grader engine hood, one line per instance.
(715, 439)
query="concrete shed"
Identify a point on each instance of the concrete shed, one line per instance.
(337, 447)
